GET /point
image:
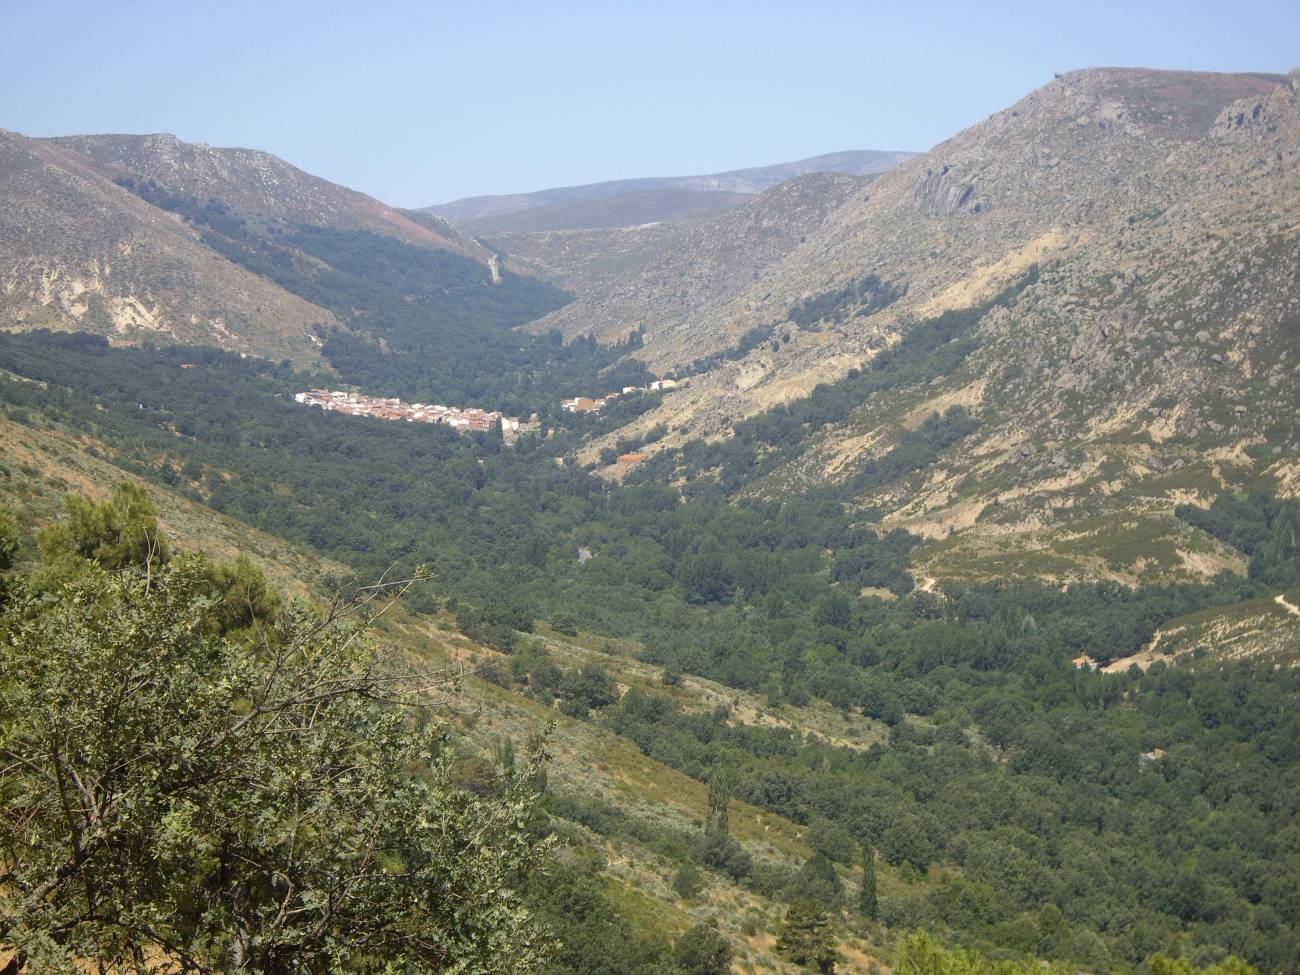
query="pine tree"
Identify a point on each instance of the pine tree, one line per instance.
(818, 880)
(8, 541)
(722, 785)
(806, 937)
(117, 533)
(867, 902)
(1278, 561)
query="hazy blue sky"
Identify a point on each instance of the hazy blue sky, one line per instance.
(420, 103)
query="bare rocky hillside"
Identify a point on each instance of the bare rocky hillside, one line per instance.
(79, 252)
(1153, 361)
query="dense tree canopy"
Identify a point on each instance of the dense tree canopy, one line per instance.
(175, 795)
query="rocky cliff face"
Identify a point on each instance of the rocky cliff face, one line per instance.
(79, 252)
(1153, 361)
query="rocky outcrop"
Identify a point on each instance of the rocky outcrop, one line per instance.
(943, 193)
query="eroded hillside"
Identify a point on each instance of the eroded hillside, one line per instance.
(81, 253)
(1150, 361)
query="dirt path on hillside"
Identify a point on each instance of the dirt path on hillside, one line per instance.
(1286, 604)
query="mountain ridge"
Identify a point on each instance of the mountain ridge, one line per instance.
(752, 180)
(85, 254)
(658, 275)
(1146, 366)
(258, 182)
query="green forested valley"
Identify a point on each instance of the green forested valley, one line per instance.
(1032, 807)
(879, 563)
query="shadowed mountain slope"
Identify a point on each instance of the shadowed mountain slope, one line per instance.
(275, 260)
(257, 183)
(660, 276)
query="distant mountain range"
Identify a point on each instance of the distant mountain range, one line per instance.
(629, 202)
(149, 236)
(660, 276)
